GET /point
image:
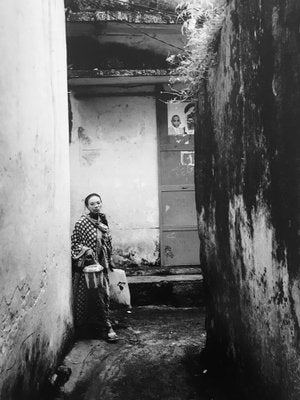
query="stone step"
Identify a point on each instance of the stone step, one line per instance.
(172, 290)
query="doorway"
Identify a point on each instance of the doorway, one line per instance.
(178, 220)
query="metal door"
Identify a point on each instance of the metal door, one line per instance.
(178, 221)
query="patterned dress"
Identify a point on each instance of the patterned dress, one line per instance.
(91, 306)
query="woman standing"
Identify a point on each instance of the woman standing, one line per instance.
(91, 241)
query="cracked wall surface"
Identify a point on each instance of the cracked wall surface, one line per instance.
(35, 315)
(247, 179)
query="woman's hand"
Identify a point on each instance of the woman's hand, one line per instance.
(103, 228)
(89, 253)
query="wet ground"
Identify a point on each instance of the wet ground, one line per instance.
(158, 357)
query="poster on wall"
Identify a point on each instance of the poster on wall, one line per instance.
(181, 119)
(187, 158)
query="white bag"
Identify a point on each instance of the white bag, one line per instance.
(118, 287)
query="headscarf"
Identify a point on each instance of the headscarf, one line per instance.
(86, 200)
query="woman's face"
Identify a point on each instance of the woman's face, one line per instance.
(94, 205)
(176, 121)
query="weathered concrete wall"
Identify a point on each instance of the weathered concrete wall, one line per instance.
(34, 231)
(247, 179)
(114, 152)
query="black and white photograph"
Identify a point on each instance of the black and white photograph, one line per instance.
(150, 200)
(181, 118)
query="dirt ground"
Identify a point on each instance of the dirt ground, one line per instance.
(152, 360)
(159, 357)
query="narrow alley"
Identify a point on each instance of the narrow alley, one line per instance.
(150, 162)
(160, 356)
(155, 358)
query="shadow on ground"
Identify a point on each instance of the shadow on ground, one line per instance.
(159, 357)
(142, 378)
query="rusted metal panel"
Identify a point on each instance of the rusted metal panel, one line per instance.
(177, 167)
(180, 247)
(178, 209)
(183, 141)
(178, 221)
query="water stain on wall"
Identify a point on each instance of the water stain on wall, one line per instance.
(247, 192)
(83, 137)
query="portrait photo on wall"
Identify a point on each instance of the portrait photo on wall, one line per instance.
(181, 119)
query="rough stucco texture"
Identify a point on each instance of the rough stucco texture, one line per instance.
(34, 230)
(114, 153)
(247, 183)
